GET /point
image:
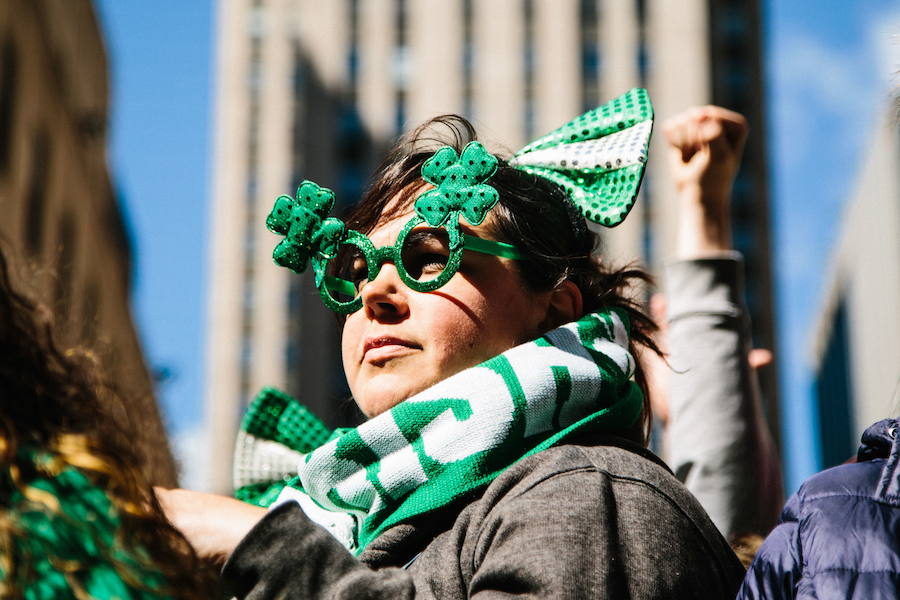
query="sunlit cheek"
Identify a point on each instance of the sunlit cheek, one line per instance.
(348, 354)
(350, 376)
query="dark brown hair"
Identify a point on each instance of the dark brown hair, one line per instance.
(532, 213)
(55, 402)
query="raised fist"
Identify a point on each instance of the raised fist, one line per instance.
(705, 147)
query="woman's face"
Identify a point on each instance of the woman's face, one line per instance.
(401, 341)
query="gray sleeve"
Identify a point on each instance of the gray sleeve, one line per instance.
(589, 534)
(718, 441)
(288, 556)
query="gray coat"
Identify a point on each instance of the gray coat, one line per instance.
(575, 521)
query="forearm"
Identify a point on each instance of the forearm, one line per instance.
(287, 556)
(704, 222)
(719, 441)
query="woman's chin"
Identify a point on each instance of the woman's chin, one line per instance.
(384, 393)
(372, 407)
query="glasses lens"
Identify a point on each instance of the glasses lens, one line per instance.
(425, 253)
(347, 273)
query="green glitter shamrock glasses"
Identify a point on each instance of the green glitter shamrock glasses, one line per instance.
(597, 158)
(428, 250)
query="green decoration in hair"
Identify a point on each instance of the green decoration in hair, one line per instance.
(309, 235)
(460, 187)
(598, 158)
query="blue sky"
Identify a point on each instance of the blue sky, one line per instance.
(160, 62)
(827, 72)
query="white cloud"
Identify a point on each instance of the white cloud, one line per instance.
(812, 65)
(192, 453)
(884, 45)
(822, 90)
(829, 97)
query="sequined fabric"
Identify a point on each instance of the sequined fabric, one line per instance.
(598, 158)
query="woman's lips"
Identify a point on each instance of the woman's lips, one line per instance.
(383, 348)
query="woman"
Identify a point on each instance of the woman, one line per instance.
(77, 519)
(503, 454)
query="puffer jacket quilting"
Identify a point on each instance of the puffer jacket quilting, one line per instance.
(839, 535)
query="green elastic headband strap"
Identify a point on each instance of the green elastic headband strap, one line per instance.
(341, 286)
(501, 249)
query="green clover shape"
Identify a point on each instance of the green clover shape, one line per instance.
(308, 234)
(460, 186)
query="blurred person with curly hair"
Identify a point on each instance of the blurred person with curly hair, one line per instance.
(77, 518)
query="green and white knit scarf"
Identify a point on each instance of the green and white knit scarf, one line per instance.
(445, 442)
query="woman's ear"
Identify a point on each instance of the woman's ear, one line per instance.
(564, 305)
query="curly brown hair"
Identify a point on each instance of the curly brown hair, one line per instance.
(533, 214)
(56, 402)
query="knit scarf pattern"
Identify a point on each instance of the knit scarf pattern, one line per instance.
(457, 436)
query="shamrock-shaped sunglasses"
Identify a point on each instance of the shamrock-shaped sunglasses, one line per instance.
(428, 250)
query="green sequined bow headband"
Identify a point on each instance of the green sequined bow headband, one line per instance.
(597, 158)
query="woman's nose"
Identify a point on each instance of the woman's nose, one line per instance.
(385, 297)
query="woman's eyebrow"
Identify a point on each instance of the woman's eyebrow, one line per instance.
(418, 236)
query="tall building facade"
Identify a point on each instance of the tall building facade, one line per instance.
(318, 90)
(60, 226)
(856, 343)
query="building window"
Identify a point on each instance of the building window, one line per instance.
(399, 111)
(834, 392)
(353, 50)
(255, 84)
(468, 59)
(744, 237)
(37, 194)
(643, 56)
(256, 24)
(245, 360)
(648, 242)
(590, 55)
(528, 65)
(352, 146)
(294, 349)
(292, 355)
(298, 138)
(400, 65)
(8, 79)
(640, 9)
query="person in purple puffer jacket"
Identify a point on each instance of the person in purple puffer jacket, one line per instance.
(839, 535)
